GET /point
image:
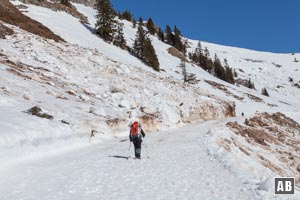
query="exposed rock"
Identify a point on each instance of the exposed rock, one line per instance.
(150, 122)
(37, 111)
(71, 92)
(297, 85)
(298, 168)
(210, 111)
(275, 134)
(258, 136)
(65, 122)
(229, 110)
(174, 52)
(117, 89)
(26, 97)
(243, 82)
(4, 31)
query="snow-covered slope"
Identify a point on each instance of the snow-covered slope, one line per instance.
(270, 70)
(84, 90)
(87, 84)
(177, 168)
(259, 66)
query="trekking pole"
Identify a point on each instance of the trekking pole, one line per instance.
(146, 150)
(128, 149)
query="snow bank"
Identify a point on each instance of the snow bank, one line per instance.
(257, 158)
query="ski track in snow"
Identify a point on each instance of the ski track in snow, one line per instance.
(178, 168)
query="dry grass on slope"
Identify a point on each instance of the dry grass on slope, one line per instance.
(57, 6)
(5, 31)
(11, 15)
(274, 139)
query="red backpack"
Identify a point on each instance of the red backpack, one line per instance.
(134, 130)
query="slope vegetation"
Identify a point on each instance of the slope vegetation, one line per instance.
(11, 15)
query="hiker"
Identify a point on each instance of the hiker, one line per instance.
(135, 135)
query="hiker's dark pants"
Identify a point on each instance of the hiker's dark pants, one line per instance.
(137, 142)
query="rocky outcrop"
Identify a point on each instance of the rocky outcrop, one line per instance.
(5, 31)
(174, 52)
(209, 111)
(57, 6)
(37, 111)
(272, 138)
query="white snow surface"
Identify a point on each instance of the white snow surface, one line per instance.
(87, 82)
(174, 165)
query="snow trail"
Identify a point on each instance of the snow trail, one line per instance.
(178, 168)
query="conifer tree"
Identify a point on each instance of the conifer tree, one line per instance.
(149, 56)
(143, 48)
(119, 39)
(177, 43)
(198, 50)
(151, 26)
(161, 35)
(133, 23)
(207, 61)
(187, 77)
(119, 15)
(235, 74)
(106, 23)
(184, 73)
(198, 56)
(209, 66)
(219, 71)
(141, 21)
(66, 3)
(127, 15)
(169, 36)
(139, 41)
(190, 56)
(250, 84)
(206, 53)
(229, 75)
(265, 92)
(228, 72)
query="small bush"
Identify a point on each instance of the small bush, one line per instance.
(265, 92)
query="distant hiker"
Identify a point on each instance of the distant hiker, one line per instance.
(135, 135)
(242, 114)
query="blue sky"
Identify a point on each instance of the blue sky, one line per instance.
(266, 25)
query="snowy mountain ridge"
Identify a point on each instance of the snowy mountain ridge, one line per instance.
(87, 84)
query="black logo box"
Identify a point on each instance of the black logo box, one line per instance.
(285, 185)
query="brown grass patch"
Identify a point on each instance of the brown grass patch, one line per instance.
(115, 122)
(4, 31)
(278, 135)
(57, 6)
(149, 122)
(259, 136)
(11, 15)
(270, 165)
(254, 98)
(223, 88)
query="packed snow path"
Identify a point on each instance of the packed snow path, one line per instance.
(178, 168)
